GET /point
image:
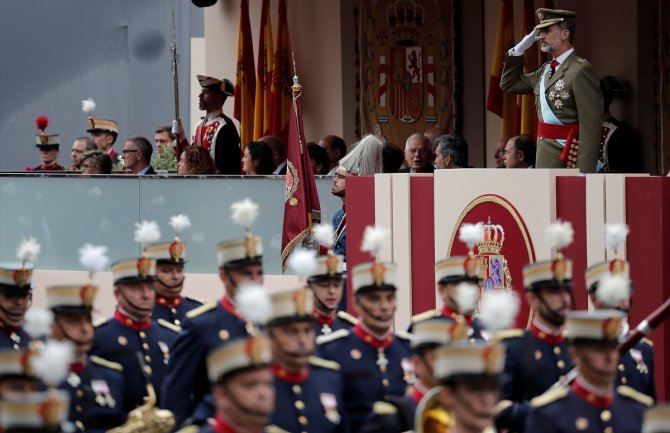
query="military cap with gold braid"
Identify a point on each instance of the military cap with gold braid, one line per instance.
(291, 305)
(549, 17)
(142, 269)
(330, 265)
(464, 359)
(39, 412)
(437, 332)
(246, 251)
(374, 275)
(15, 278)
(16, 363)
(615, 236)
(171, 252)
(43, 140)
(556, 272)
(95, 125)
(601, 325)
(71, 298)
(240, 354)
(456, 269)
(657, 419)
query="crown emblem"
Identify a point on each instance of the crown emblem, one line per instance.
(254, 350)
(22, 276)
(143, 266)
(300, 302)
(558, 268)
(494, 237)
(406, 19)
(176, 250)
(491, 355)
(378, 270)
(331, 263)
(617, 266)
(87, 294)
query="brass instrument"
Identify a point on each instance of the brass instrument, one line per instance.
(430, 416)
(147, 418)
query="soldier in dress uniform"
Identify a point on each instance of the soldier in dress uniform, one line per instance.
(169, 283)
(16, 377)
(242, 385)
(96, 386)
(240, 262)
(375, 361)
(104, 133)
(537, 357)
(396, 414)
(48, 146)
(657, 419)
(591, 403)
(567, 90)
(38, 412)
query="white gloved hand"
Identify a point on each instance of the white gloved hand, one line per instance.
(525, 43)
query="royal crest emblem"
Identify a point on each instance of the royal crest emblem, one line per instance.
(176, 250)
(292, 181)
(144, 267)
(495, 271)
(406, 83)
(255, 350)
(22, 277)
(87, 294)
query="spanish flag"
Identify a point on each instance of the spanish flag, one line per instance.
(245, 85)
(263, 75)
(526, 103)
(280, 96)
(501, 103)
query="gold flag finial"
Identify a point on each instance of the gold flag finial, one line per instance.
(296, 84)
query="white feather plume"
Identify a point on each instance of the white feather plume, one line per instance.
(147, 232)
(615, 235)
(471, 234)
(52, 364)
(180, 223)
(244, 212)
(254, 303)
(93, 258)
(88, 106)
(466, 297)
(374, 239)
(499, 309)
(302, 262)
(28, 250)
(560, 234)
(37, 322)
(324, 234)
(613, 290)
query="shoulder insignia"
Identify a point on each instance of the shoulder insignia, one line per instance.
(549, 397)
(425, 315)
(101, 321)
(189, 429)
(340, 333)
(105, 363)
(506, 334)
(171, 326)
(199, 301)
(629, 392)
(324, 363)
(647, 341)
(404, 335)
(200, 310)
(274, 429)
(347, 317)
(580, 59)
(384, 408)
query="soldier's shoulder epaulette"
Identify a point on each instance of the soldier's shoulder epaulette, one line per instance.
(549, 397)
(347, 317)
(580, 59)
(384, 408)
(647, 341)
(324, 363)
(507, 334)
(171, 326)
(633, 394)
(404, 335)
(425, 316)
(340, 333)
(189, 429)
(106, 363)
(101, 321)
(200, 310)
(274, 429)
(199, 301)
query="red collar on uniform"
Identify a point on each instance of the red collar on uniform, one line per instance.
(324, 319)
(78, 367)
(453, 315)
(546, 336)
(170, 303)
(111, 153)
(289, 376)
(372, 340)
(50, 167)
(221, 426)
(131, 323)
(590, 397)
(228, 305)
(8, 328)
(417, 393)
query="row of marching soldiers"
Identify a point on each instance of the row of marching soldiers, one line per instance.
(288, 361)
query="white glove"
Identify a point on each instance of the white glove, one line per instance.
(525, 43)
(175, 127)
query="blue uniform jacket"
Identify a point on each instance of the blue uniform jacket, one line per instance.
(174, 314)
(342, 320)
(636, 368)
(341, 235)
(16, 340)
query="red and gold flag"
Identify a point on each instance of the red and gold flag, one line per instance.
(280, 96)
(245, 85)
(301, 199)
(263, 75)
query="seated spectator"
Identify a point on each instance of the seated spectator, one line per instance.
(451, 152)
(418, 154)
(196, 160)
(336, 149)
(95, 162)
(278, 149)
(319, 157)
(164, 138)
(393, 157)
(80, 145)
(137, 153)
(258, 159)
(520, 152)
(500, 150)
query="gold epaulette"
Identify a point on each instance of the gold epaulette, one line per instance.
(274, 429)
(404, 335)
(189, 429)
(647, 341)
(347, 317)
(199, 301)
(101, 321)
(105, 363)
(384, 408)
(200, 310)
(324, 363)
(629, 392)
(425, 316)
(340, 333)
(171, 326)
(549, 397)
(506, 334)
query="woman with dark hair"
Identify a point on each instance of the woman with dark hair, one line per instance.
(257, 158)
(196, 160)
(95, 162)
(319, 157)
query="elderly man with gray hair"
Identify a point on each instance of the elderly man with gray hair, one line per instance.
(418, 154)
(451, 151)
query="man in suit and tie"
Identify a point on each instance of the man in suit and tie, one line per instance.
(137, 156)
(418, 154)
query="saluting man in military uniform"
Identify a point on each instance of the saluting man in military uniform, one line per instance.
(591, 403)
(567, 94)
(240, 262)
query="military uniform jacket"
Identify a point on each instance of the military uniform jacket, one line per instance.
(395, 415)
(340, 224)
(120, 339)
(370, 368)
(217, 425)
(175, 310)
(55, 166)
(573, 96)
(97, 395)
(476, 330)
(218, 134)
(534, 361)
(325, 325)
(565, 410)
(16, 339)
(203, 329)
(636, 368)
